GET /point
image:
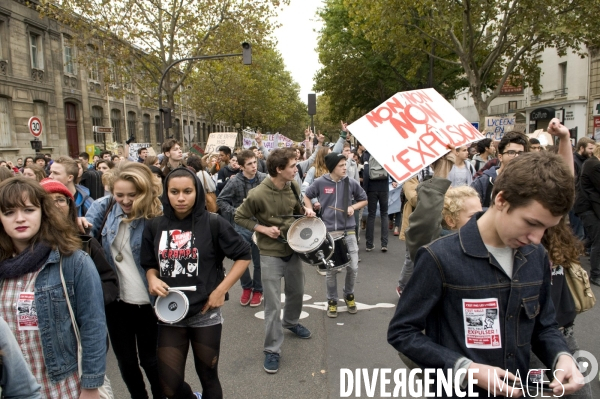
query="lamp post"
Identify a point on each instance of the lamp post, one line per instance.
(246, 58)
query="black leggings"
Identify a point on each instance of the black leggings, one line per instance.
(173, 346)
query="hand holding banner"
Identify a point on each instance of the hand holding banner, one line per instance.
(411, 130)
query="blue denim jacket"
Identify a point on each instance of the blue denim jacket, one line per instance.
(95, 215)
(458, 267)
(56, 331)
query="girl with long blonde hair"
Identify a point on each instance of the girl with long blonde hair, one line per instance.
(118, 220)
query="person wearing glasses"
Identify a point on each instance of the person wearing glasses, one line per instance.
(63, 199)
(511, 146)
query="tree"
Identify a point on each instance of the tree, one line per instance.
(262, 96)
(143, 37)
(493, 41)
(357, 76)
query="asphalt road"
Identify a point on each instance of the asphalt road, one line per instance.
(311, 368)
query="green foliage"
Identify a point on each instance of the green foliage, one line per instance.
(360, 71)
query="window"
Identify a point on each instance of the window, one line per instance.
(146, 127)
(112, 73)
(93, 73)
(131, 124)
(39, 110)
(97, 116)
(177, 130)
(68, 51)
(5, 130)
(115, 119)
(37, 58)
(562, 68)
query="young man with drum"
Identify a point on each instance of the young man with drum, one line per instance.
(335, 192)
(268, 210)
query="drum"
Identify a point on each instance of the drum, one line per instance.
(173, 307)
(321, 254)
(306, 235)
(341, 257)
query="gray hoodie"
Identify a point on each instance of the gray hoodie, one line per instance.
(331, 194)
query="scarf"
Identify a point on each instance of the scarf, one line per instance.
(28, 261)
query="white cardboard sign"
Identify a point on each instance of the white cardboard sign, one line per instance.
(411, 130)
(216, 140)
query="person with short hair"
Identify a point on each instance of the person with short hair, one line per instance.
(85, 158)
(223, 157)
(266, 211)
(462, 171)
(107, 155)
(230, 170)
(584, 151)
(511, 146)
(29, 160)
(173, 156)
(485, 152)
(494, 263)
(142, 154)
(66, 171)
(230, 198)
(116, 159)
(41, 161)
(262, 164)
(534, 145)
(335, 191)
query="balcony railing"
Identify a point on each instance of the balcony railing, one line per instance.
(550, 95)
(508, 107)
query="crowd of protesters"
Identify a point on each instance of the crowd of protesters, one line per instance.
(492, 222)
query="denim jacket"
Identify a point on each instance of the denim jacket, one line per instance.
(458, 267)
(95, 215)
(56, 331)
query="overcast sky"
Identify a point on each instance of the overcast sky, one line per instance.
(297, 41)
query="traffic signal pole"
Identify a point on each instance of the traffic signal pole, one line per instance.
(246, 55)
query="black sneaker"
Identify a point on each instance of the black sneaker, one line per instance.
(369, 249)
(300, 331)
(383, 249)
(271, 365)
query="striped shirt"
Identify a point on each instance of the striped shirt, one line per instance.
(30, 341)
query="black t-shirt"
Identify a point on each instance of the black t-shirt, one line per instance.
(562, 298)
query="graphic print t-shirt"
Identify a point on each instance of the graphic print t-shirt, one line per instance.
(178, 258)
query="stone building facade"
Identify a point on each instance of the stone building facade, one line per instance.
(39, 77)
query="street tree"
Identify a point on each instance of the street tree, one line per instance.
(493, 42)
(358, 75)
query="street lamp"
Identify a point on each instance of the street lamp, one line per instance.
(246, 59)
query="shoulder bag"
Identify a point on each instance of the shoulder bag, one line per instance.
(579, 284)
(105, 390)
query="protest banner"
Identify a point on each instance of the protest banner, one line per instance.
(269, 141)
(411, 130)
(196, 149)
(133, 149)
(497, 126)
(216, 140)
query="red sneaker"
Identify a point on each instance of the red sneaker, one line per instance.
(257, 298)
(245, 299)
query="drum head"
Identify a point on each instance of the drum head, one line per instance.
(172, 308)
(306, 234)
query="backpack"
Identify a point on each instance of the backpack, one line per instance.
(376, 171)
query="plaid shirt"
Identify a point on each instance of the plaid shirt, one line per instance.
(30, 341)
(235, 191)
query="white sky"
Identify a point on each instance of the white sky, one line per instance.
(297, 41)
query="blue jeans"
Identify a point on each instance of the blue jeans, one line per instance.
(373, 197)
(351, 272)
(246, 281)
(576, 225)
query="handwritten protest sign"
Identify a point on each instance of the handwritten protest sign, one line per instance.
(496, 126)
(269, 141)
(134, 147)
(216, 140)
(411, 130)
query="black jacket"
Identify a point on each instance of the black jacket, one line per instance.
(108, 277)
(588, 188)
(578, 161)
(182, 249)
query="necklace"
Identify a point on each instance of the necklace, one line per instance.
(119, 256)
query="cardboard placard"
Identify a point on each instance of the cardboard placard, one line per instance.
(133, 149)
(216, 140)
(411, 130)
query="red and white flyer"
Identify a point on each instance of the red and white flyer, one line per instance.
(27, 318)
(482, 323)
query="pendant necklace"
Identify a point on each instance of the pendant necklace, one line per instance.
(119, 256)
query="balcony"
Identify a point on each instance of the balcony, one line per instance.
(550, 95)
(508, 107)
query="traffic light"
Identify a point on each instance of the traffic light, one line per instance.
(166, 117)
(312, 104)
(246, 53)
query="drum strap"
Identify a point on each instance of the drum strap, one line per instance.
(345, 202)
